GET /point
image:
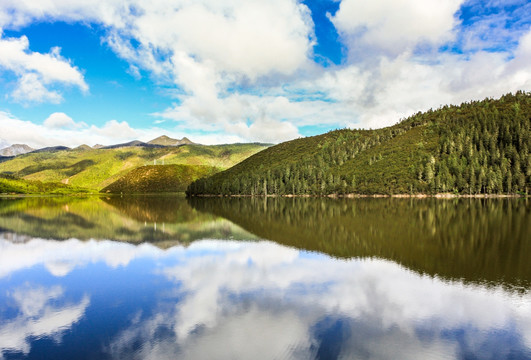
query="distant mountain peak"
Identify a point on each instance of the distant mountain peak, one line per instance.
(83, 147)
(15, 149)
(168, 141)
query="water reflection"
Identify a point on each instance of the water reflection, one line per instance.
(40, 313)
(227, 299)
(165, 220)
(364, 279)
(480, 240)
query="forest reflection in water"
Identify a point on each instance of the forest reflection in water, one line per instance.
(264, 278)
(481, 240)
(471, 239)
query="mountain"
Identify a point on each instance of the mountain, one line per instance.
(167, 141)
(97, 168)
(51, 149)
(137, 143)
(159, 179)
(83, 147)
(15, 149)
(480, 147)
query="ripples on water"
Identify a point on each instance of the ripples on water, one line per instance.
(248, 278)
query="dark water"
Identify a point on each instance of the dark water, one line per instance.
(167, 277)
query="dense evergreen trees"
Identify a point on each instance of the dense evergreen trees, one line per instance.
(481, 147)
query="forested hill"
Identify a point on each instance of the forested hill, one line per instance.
(475, 148)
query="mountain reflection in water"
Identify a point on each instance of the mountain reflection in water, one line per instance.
(363, 278)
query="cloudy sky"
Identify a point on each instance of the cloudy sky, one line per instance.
(217, 71)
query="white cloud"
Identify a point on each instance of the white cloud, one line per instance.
(37, 72)
(245, 69)
(60, 120)
(30, 89)
(395, 26)
(60, 129)
(203, 46)
(4, 143)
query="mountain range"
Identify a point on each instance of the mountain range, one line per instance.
(93, 169)
(161, 141)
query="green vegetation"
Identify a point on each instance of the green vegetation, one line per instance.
(13, 185)
(480, 147)
(97, 168)
(159, 179)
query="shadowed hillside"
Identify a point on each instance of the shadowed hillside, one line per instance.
(159, 179)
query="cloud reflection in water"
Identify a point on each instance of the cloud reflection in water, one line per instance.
(227, 299)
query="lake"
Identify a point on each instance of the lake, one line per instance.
(256, 278)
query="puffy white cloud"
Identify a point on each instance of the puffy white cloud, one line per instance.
(396, 26)
(244, 68)
(36, 71)
(203, 47)
(249, 38)
(249, 117)
(60, 120)
(30, 88)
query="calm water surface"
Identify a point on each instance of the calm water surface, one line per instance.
(166, 278)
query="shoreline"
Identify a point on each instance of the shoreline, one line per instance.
(332, 196)
(356, 196)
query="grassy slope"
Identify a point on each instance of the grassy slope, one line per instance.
(21, 186)
(159, 179)
(97, 168)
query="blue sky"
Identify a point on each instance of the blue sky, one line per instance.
(221, 71)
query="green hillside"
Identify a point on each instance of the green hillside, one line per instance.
(475, 148)
(97, 168)
(12, 185)
(159, 179)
